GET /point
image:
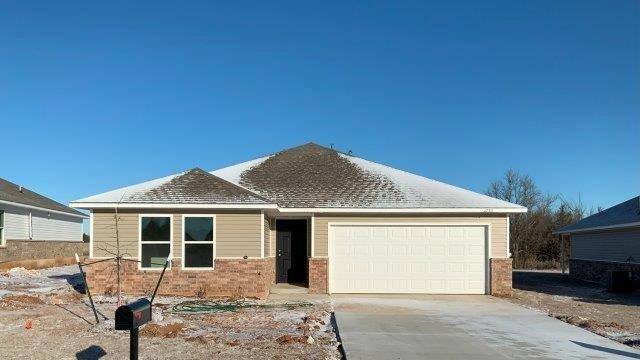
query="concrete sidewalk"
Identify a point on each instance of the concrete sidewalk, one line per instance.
(461, 327)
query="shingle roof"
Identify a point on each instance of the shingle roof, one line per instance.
(194, 186)
(11, 192)
(307, 176)
(627, 212)
(312, 176)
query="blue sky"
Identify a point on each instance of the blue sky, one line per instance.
(99, 96)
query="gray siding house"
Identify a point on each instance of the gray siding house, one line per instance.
(608, 240)
(35, 227)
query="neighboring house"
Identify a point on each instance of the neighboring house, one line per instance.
(33, 226)
(608, 240)
(310, 215)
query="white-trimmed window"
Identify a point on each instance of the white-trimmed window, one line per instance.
(155, 240)
(198, 241)
(1, 228)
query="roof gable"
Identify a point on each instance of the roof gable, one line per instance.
(194, 186)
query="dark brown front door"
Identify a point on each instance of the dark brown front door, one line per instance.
(283, 247)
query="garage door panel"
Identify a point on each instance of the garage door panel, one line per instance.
(437, 250)
(418, 268)
(398, 250)
(408, 259)
(436, 233)
(418, 250)
(476, 250)
(418, 232)
(456, 250)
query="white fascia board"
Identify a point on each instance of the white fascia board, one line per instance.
(42, 209)
(595, 228)
(79, 205)
(405, 210)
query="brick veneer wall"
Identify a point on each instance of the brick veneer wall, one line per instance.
(598, 271)
(231, 278)
(318, 276)
(501, 279)
(15, 250)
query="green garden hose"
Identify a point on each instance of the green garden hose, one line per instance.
(204, 306)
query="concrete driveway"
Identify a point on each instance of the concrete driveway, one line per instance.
(461, 327)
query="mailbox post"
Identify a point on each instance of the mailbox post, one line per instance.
(133, 315)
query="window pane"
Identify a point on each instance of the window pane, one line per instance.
(154, 255)
(1, 218)
(156, 229)
(198, 255)
(198, 229)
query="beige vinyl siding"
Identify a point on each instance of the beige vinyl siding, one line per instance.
(267, 236)
(309, 237)
(272, 236)
(612, 245)
(498, 228)
(238, 234)
(104, 234)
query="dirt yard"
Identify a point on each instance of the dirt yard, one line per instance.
(44, 315)
(584, 304)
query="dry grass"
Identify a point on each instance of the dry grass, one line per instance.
(163, 331)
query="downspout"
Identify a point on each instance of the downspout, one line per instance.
(30, 226)
(562, 252)
(508, 236)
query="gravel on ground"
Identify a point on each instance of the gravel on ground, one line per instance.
(44, 314)
(584, 304)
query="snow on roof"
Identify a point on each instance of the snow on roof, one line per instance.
(313, 176)
(420, 191)
(195, 186)
(234, 172)
(125, 193)
(306, 176)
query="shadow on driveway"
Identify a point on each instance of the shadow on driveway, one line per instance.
(608, 350)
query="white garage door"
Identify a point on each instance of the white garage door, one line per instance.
(407, 259)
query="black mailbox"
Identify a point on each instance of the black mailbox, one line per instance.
(133, 315)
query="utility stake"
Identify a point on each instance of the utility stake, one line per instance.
(161, 276)
(86, 287)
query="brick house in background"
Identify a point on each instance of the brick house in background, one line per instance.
(35, 227)
(309, 215)
(608, 240)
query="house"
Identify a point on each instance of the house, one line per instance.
(34, 227)
(608, 240)
(309, 215)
